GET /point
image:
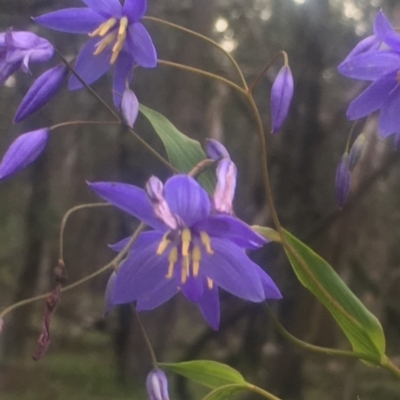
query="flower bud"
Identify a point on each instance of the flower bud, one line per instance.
(157, 385)
(24, 150)
(342, 181)
(281, 97)
(129, 107)
(356, 151)
(216, 150)
(41, 91)
(225, 188)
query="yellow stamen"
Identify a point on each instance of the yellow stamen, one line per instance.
(196, 257)
(185, 269)
(163, 244)
(104, 43)
(172, 259)
(186, 238)
(210, 283)
(104, 28)
(119, 44)
(205, 239)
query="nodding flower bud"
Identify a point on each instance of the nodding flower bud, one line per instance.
(356, 151)
(155, 192)
(24, 150)
(157, 385)
(281, 97)
(225, 189)
(342, 181)
(216, 150)
(129, 107)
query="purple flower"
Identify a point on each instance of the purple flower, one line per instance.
(129, 107)
(157, 385)
(41, 91)
(382, 67)
(117, 37)
(281, 97)
(19, 49)
(216, 150)
(342, 181)
(25, 149)
(191, 250)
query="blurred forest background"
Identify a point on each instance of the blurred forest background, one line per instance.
(93, 358)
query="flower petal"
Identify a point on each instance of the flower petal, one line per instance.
(7, 69)
(157, 385)
(24, 150)
(143, 239)
(193, 288)
(231, 269)
(370, 43)
(141, 46)
(384, 31)
(227, 227)
(187, 199)
(271, 291)
(134, 9)
(372, 98)
(159, 295)
(41, 91)
(389, 119)
(72, 20)
(225, 188)
(130, 199)
(90, 67)
(123, 73)
(105, 8)
(209, 307)
(216, 150)
(370, 66)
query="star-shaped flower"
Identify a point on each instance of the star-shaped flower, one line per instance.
(117, 37)
(382, 67)
(192, 249)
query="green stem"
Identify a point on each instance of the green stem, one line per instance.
(262, 392)
(72, 123)
(391, 367)
(204, 73)
(206, 39)
(115, 261)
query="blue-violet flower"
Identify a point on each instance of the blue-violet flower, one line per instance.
(157, 385)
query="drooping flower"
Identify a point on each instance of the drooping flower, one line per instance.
(41, 91)
(342, 182)
(19, 49)
(382, 68)
(191, 250)
(117, 37)
(281, 97)
(24, 150)
(157, 385)
(129, 107)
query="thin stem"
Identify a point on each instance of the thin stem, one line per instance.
(201, 167)
(316, 349)
(115, 261)
(353, 126)
(390, 366)
(204, 73)
(262, 392)
(206, 39)
(72, 123)
(146, 338)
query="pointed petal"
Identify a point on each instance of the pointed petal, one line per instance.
(24, 150)
(209, 307)
(135, 9)
(159, 295)
(389, 119)
(271, 291)
(41, 91)
(123, 73)
(7, 69)
(108, 305)
(372, 98)
(370, 43)
(384, 31)
(370, 66)
(227, 227)
(193, 288)
(90, 67)
(105, 8)
(225, 188)
(72, 20)
(231, 269)
(187, 199)
(216, 150)
(141, 46)
(141, 272)
(130, 199)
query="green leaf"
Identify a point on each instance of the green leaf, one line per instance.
(361, 327)
(269, 233)
(183, 152)
(208, 373)
(225, 392)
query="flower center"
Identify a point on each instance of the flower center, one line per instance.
(187, 250)
(110, 35)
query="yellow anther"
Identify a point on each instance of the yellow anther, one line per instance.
(104, 43)
(163, 244)
(196, 257)
(185, 269)
(119, 44)
(104, 28)
(205, 239)
(186, 238)
(210, 283)
(172, 259)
